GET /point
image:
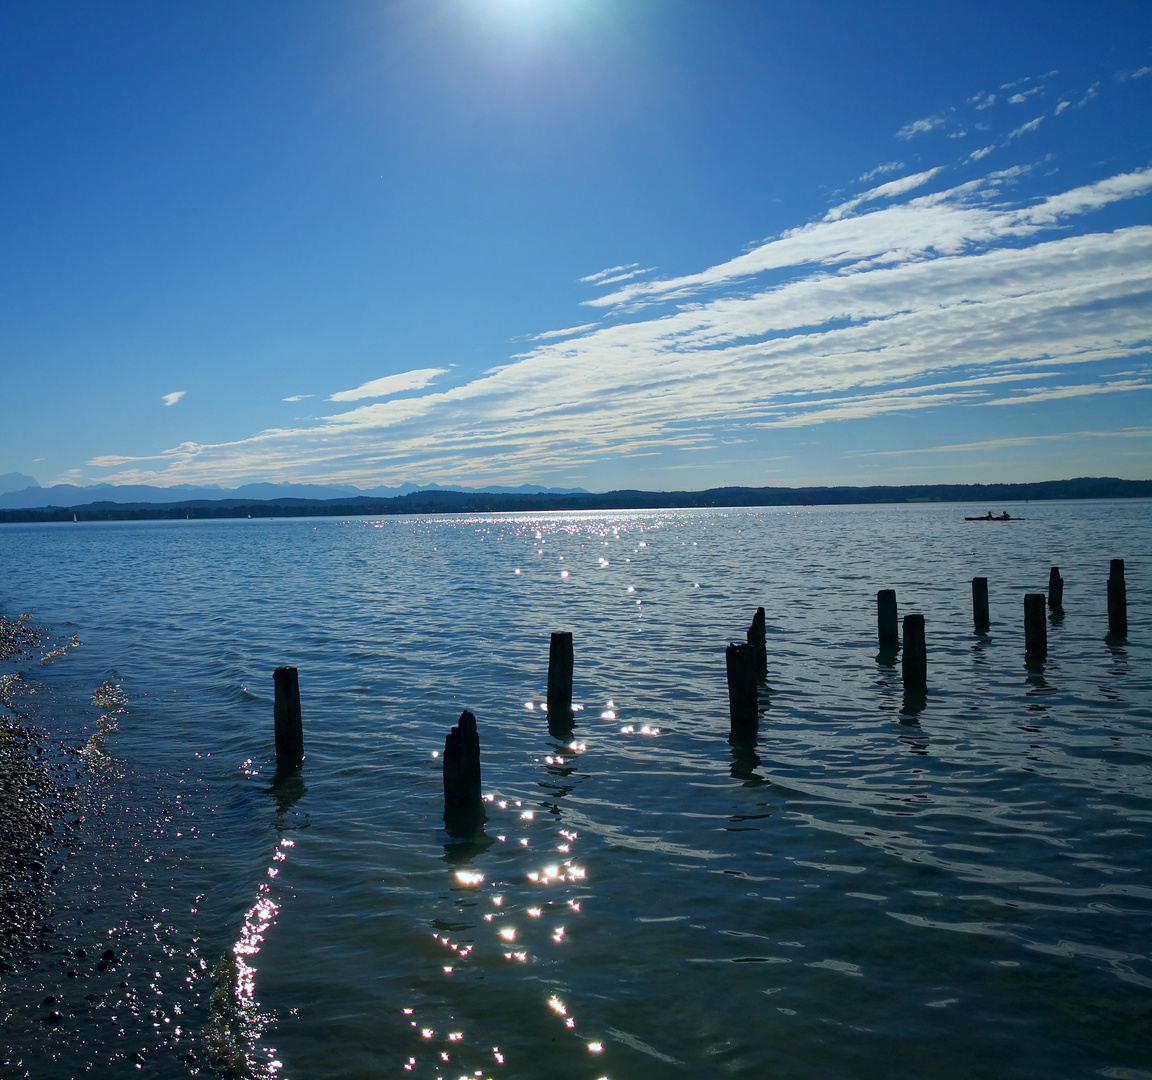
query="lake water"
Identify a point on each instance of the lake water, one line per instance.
(880, 890)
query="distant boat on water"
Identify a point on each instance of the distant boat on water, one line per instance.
(993, 517)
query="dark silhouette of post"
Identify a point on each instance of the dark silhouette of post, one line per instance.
(740, 661)
(462, 797)
(560, 679)
(759, 642)
(980, 603)
(1035, 627)
(286, 715)
(1117, 600)
(1055, 590)
(914, 661)
(888, 622)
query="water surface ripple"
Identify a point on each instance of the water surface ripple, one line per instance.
(882, 886)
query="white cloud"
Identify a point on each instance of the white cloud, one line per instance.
(298, 397)
(1061, 107)
(1057, 393)
(918, 127)
(983, 152)
(112, 461)
(1011, 442)
(947, 222)
(982, 101)
(614, 273)
(952, 298)
(890, 190)
(1139, 73)
(1023, 129)
(550, 334)
(171, 399)
(880, 170)
(390, 384)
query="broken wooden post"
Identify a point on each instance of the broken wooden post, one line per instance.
(560, 679)
(759, 642)
(286, 716)
(740, 661)
(888, 622)
(914, 662)
(1055, 590)
(462, 796)
(1035, 628)
(980, 603)
(1117, 600)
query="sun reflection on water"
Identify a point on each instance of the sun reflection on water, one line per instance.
(236, 1024)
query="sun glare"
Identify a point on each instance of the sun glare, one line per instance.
(531, 16)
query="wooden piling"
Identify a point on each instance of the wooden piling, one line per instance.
(759, 642)
(887, 620)
(980, 603)
(1117, 600)
(1055, 590)
(1035, 626)
(740, 661)
(560, 659)
(462, 795)
(914, 661)
(286, 716)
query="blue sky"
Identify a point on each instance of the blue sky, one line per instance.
(662, 244)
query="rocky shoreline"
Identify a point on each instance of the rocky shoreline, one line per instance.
(27, 799)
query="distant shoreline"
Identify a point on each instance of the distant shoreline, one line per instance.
(444, 501)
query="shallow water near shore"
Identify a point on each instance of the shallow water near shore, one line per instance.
(885, 887)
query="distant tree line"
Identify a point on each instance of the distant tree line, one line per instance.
(459, 502)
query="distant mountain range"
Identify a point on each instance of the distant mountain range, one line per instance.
(247, 501)
(20, 492)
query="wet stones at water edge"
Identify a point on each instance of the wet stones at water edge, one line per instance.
(29, 799)
(463, 801)
(16, 635)
(286, 712)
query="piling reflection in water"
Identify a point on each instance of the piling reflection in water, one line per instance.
(745, 761)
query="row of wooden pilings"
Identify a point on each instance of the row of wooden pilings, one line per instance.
(746, 664)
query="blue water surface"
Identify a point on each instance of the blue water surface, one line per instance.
(884, 886)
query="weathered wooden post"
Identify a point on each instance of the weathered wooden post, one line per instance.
(740, 661)
(888, 622)
(759, 642)
(560, 678)
(286, 716)
(1117, 600)
(1055, 590)
(1035, 628)
(462, 797)
(980, 603)
(914, 661)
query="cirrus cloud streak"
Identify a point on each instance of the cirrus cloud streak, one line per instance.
(951, 298)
